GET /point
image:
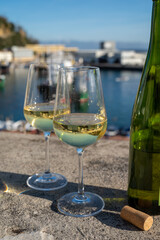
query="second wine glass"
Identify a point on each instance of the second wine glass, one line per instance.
(80, 89)
(38, 111)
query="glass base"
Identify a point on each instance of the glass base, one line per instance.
(47, 181)
(73, 205)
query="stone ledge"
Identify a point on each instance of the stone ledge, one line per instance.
(27, 214)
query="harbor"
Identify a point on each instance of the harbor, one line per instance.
(107, 56)
(120, 73)
(119, 88)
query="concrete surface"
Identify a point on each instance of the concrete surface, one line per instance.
(34, 215)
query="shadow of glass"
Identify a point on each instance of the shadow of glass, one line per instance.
(114, 199)
(16, 183)
(13, 182)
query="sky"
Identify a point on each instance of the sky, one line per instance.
(82, 20)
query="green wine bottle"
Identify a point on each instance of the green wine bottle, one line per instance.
(144, 159)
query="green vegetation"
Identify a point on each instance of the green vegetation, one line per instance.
(11, 34)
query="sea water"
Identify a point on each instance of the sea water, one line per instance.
(119, 88)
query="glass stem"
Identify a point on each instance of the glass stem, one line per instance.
(47, 166)
(80, 181)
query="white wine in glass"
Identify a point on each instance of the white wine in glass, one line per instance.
(39, 111)
(82, 126)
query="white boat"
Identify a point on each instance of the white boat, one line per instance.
(18, 126)
(125, 132)
(28, 127)
(2, 125)
(112, 131)
(9, 125)
(122, 79)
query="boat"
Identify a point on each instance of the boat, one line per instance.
(4, 66)
(2, 125)
(125, 132)
(28, 127)
(112, 131)
(9, 125)
(18, 126)
(122, 79)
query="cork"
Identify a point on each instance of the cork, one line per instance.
(137, 218)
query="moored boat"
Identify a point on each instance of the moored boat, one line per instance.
(112, 131)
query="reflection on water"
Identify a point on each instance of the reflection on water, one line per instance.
(119, 87)
(119, 95)
(12, 97)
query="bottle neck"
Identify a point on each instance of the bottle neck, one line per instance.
(154, 47)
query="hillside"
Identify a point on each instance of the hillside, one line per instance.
(11, 34)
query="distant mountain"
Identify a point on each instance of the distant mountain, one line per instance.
(11, 34)
(96, 45)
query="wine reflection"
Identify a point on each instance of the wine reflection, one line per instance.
(3, 186)
(47, 78)
(79, 102)
(47, 92)
(13, 182)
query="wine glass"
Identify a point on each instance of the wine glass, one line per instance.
(80, 88)
(38, 111)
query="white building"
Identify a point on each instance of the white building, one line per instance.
(86, 56)
(60, 57)
(22, 54)
(108, 45)
(6, 57)
(132, 58)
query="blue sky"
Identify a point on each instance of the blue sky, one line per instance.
(84, 20)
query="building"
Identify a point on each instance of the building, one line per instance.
(54, 52)
(132, 58)
(86, 56)
(108, 45)
(62, 58)
(22, 54)
(40, 49)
